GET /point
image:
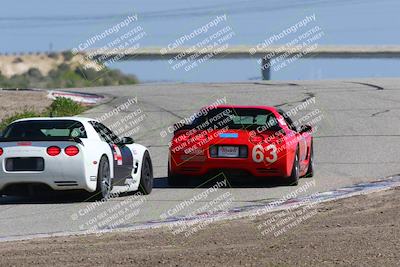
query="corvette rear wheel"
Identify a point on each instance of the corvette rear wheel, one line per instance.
(173, 179)
(293, 179)
(146, 178)
(104, 185)
(310, 168)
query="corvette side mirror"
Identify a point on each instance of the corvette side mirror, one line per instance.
(305, 129)
(127, 140)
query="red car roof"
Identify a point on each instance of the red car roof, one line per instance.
(239, 106)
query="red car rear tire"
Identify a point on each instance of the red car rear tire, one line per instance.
(293, 179)
(310, 168)
(174, 180)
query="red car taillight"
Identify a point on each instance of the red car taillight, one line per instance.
(71, 150)
(53, 150)
(1, 151)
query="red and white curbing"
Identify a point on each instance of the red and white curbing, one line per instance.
(86, 99)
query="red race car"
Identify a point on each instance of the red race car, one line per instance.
(256, 141)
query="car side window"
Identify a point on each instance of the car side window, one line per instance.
(108, 133)
(103, 136)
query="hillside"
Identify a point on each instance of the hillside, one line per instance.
(56, 70)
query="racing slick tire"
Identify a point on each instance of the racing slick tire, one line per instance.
(146, 178)
(174, 180)
(310, 168)
(293, 179)
(104, 184)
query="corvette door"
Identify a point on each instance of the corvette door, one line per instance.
(123, 158)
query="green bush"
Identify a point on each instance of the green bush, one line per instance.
(18, 60)
(35, 73)
(64, 107)
(88, 74)
(68, 55)
(16, 81)
(63, 68)
(61, 107)
(27, 113)
(53, 55)
(2, 78)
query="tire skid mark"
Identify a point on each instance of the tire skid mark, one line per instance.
(377, 87)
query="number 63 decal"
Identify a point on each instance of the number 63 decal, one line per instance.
(269, 153)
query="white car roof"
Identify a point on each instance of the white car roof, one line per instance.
(80, 119)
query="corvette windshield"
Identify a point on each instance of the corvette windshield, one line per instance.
(239, 118)
(45, 128)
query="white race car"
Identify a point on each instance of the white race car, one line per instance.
(69, 153)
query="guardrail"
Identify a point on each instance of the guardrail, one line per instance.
(239, 52)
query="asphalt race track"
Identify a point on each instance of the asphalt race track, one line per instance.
(358, 139)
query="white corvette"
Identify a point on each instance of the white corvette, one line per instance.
(69, 153)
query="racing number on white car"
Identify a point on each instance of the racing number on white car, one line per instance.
(269, 153)
(117, 155)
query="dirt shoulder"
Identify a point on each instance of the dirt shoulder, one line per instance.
(359, 231)
(16, 101)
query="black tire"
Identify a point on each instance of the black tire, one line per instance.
(293, 179)
(104, 183)
(310, 168)
(174, 180)
(146, 177)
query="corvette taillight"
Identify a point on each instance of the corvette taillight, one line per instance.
(1, 151)
(53, 151)
(71, 150)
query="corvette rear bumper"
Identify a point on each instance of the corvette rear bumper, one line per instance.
(236, 167)
(57, 175)
(65, 183)
(60, 172)
(55, 184)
